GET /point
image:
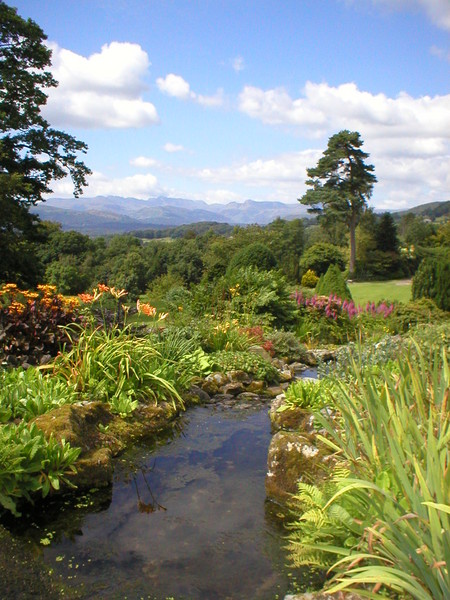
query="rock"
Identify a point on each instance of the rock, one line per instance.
(312, 357)
(234, 388)
(291, 457)
(324, 596)
(196, 395)
(248, 397)
(286, 375)
(79, 424)
(261, 352)
(239, 376)
(298, 367)
(255, 386)
(214, 382)
(290, 419)
(219, 398)
(273, 391)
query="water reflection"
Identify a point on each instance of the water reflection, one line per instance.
(202, 528)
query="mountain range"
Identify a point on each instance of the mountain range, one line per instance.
(113, 214)
(103, 215)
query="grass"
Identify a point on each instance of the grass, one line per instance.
(375, 291)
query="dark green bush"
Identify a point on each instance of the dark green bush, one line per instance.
(254, 364)
(432, 280)
(419, 312)
(320, 256)
(255, 255)
(333, 283)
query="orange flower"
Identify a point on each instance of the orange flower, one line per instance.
(102, 287)
(48, 290)
(86, 298)
(16, 308)
(147, 309)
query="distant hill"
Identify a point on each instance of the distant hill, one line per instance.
(432, 210)
(105, 215)
(113, 214)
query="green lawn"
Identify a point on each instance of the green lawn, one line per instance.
(375, 291)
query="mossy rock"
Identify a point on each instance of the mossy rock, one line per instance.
(289, 419)
(292, 457)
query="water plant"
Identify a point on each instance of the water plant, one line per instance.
(393, 437)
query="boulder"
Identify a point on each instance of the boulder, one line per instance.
(289, 419)
(292, 457)
(261, 352)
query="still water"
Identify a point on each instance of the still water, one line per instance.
(186, 518)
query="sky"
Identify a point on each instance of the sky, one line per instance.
(228, 100)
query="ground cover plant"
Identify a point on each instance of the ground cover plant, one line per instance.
(383, 520)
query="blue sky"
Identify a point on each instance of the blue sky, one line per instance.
(224, 100)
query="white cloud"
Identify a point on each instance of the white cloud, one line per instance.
(238, 64)
(289, 167)
(437, 10)
(324, 108)
(143, 162)
(177, 87)
(135, 186)
(440, 53)
(101, 91)
(169, 147)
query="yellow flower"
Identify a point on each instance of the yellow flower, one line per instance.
(117, 293)
(47, 290)
(16, 308)
(162, 316)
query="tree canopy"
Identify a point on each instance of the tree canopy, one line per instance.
(32, 154)
(341, 184)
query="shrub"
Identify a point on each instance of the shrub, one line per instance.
(320, 256)
(286, 345)
(264, 295)
(333, 283)
(432, 280)
(420, 312)
(309, 279)
(307, 393)
(249, 362)
(31, 323)
(254, 255)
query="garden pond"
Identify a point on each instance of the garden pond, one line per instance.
(186, 518)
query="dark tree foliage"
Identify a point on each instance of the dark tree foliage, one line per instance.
(386, 234)
(255, 255)
(341, 184)
(319, 257)
(432, 280)
(32, 154)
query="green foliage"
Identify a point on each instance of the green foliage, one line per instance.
(223, 335)
(392, 435)
(341, 184)
(27, 394)
(264, 295)
(309, 279)
(254, 255)
(29, 464)
(320, 256)
(285, 344)
(108, 364)
(306, 393)
(249, 362)
(333, 283)
(432, 280)
(32, 154)
(419, 312)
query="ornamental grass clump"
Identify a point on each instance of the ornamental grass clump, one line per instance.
(393, 436)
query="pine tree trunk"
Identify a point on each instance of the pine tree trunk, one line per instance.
(352, 264)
